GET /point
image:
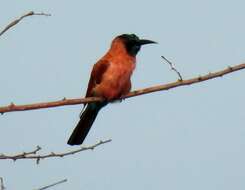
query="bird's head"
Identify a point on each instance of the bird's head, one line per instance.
(133, 43)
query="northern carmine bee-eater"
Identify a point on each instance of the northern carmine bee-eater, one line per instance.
(110, 79)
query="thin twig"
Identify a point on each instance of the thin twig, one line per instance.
(173, 68)
(13, 23)
(53, 184)
(12, 107)
(1, 184)
(21, 155)
(35, 156)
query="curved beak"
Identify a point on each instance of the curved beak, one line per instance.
(144, 41)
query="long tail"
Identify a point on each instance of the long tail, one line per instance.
(86, 121)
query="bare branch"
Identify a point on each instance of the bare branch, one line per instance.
(33, 155)
(12, 107)
(173, 68)
(1, 184)
(53, 184)
(13, 23)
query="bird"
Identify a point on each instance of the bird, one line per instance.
(110, 79)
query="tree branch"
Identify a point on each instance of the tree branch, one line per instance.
(12, 107)
(13, 23)
(53, 184)
(172, 67)
(1, 184)
(33, 155)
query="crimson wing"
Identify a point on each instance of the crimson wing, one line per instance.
(96, 75)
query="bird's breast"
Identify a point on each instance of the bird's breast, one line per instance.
(116, 79)
(119, 73)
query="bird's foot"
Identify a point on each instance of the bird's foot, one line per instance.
(118, 100)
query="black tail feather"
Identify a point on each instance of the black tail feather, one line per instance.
(86, 121)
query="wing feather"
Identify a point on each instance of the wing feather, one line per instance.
(96, 75)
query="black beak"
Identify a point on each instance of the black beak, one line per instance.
(144, 41)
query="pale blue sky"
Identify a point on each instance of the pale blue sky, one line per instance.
(187, 138)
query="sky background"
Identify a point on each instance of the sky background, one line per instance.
(186, 138)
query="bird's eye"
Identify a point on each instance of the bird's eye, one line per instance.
(133, 36)
(136, 38)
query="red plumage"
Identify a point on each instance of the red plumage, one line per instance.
(110, 79)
